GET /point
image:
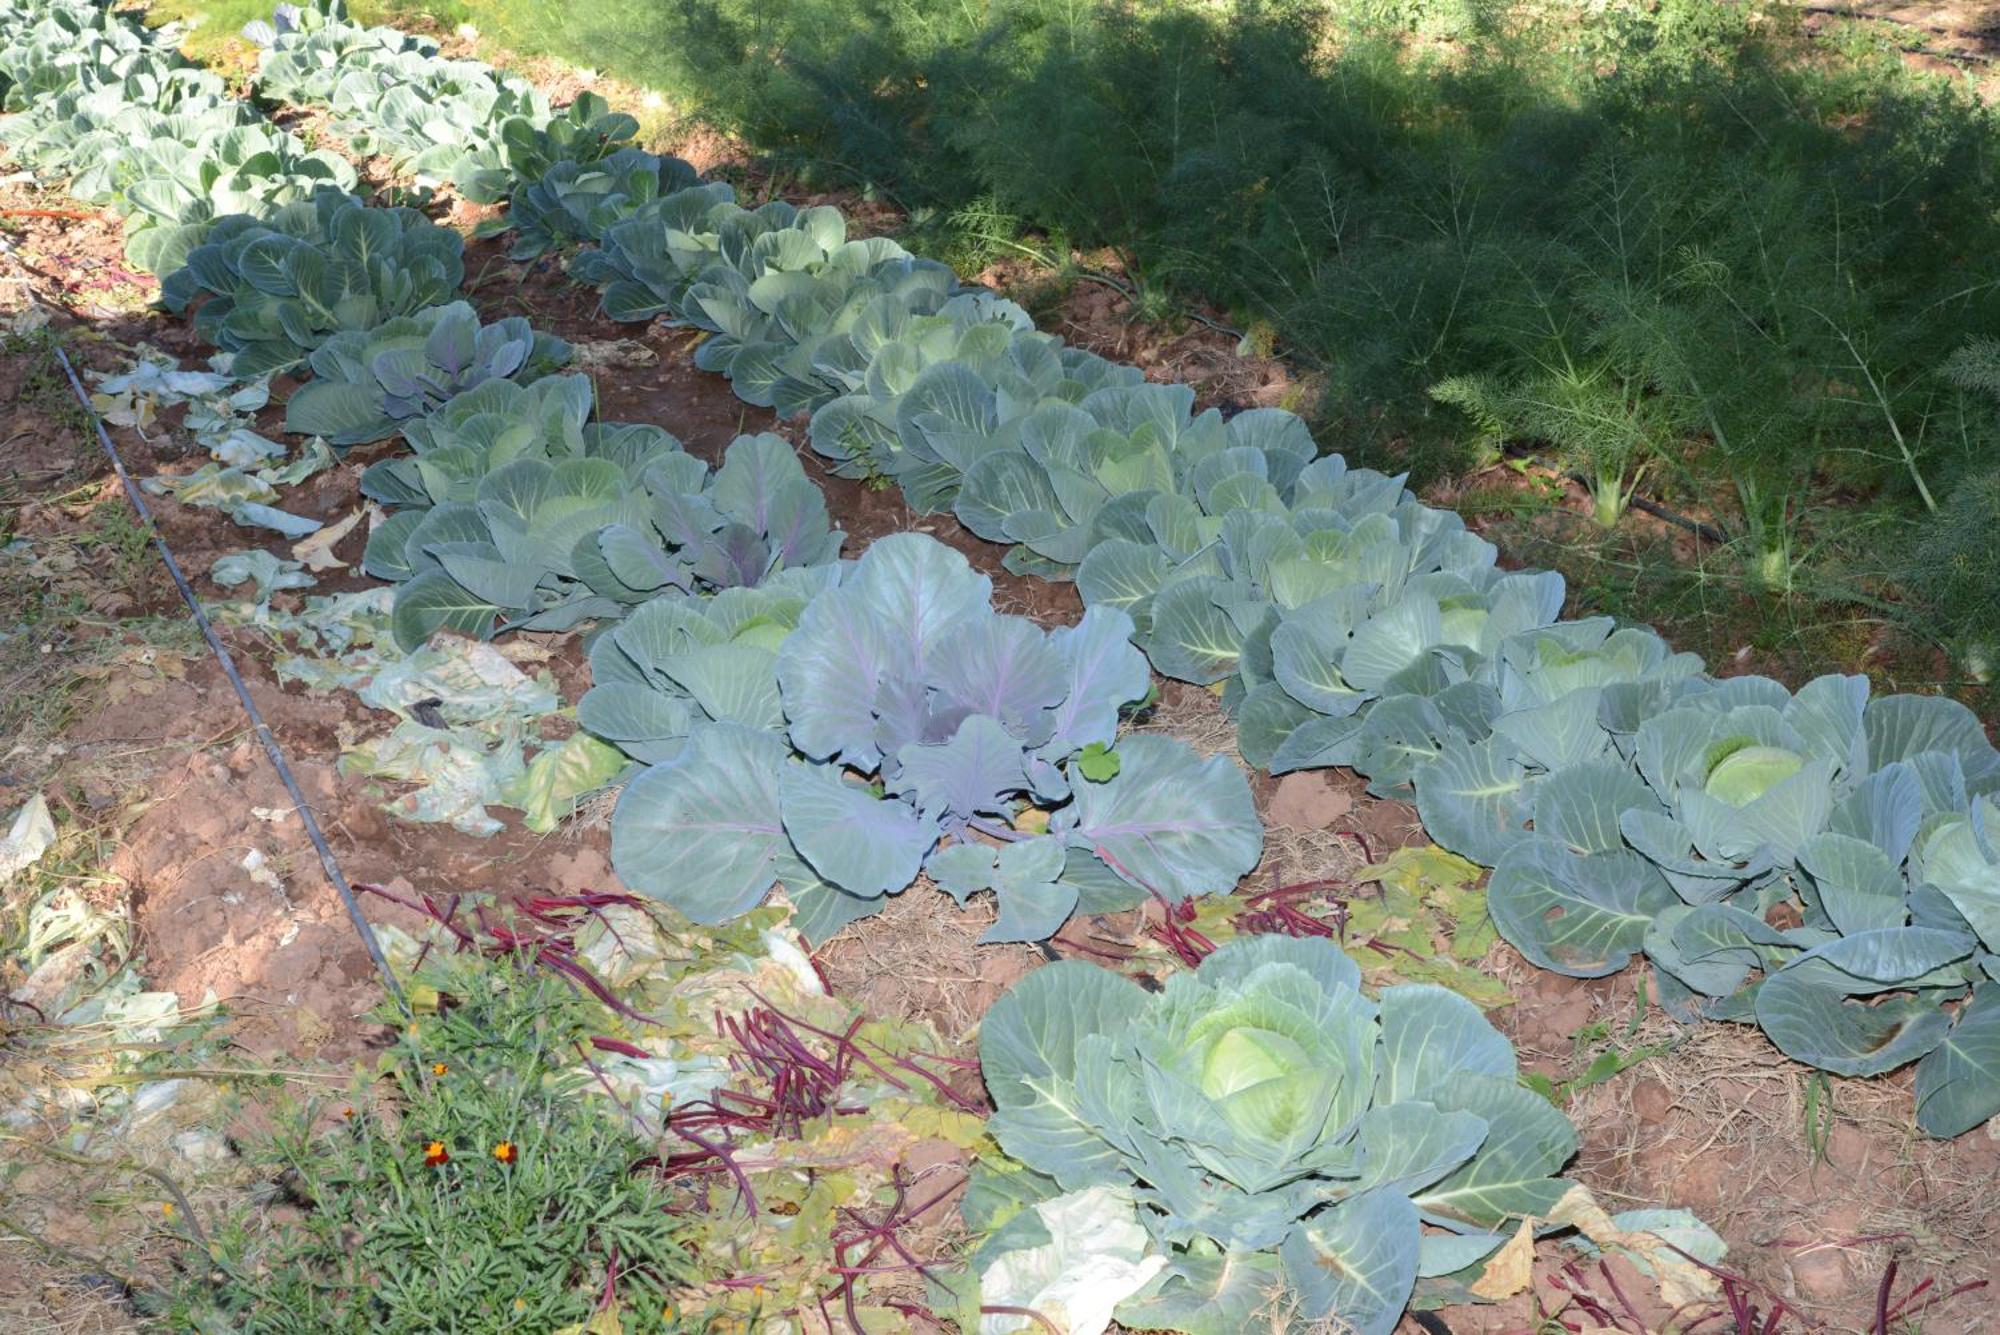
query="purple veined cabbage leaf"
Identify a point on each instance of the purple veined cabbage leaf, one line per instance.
(367, 382)
(586, 523)
(923, 731)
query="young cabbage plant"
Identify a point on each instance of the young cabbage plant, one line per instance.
(1064, 478)
(64, 58)
(905, 727)
(477, 432)
(574, 202)
(769, 285)
(272, 290)
(439, 120)
(366, 382)
(583, 133)
(173, 172)
(911, 408)
(303, 49)
(547, 543)
(1278, 1131)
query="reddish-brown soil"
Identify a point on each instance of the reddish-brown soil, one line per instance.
(1721, 1124)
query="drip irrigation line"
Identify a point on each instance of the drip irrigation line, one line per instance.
(327, 861)
(1697, 527)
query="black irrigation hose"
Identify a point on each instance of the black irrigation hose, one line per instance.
(221, 652)
(1658, 511)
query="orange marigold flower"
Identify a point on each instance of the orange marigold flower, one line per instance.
(505, 1152)
(439, 1068)
(167, 1209)
(435, 1153)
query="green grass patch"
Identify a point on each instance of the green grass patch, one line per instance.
(216, 26)
(470, 1187)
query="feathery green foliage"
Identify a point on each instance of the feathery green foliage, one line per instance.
(1677, 243)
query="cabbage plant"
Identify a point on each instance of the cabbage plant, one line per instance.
(905, 727)
(577, 201)
(1705, 806)
(547, 542)
(304, 49)
(1279, 1131)
(907, 390)
(769, 284)
(438, 120)
(176, 186)
(137, 128)
(645, 271)
(584, 133)
(365, 382)
(68, 69)
(659, 674)
(455, 446)
(1031, 443)
(277, 288)
(60, 50)
(391, 94)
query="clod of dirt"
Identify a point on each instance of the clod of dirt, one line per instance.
(1652, 1101)
(1307, 801)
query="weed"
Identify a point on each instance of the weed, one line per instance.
(1819, 1115)
(469, 1188)
(1598, 1055)
(123, 544)
(43, 384)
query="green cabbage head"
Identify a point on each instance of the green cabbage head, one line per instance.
(1748, 772)
(1277, 1128)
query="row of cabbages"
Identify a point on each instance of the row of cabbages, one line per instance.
(94, 95)
(437, 121)
(1824, 865)
(517, 511)
(1784, 860)
(91, 94)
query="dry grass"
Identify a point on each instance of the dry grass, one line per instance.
(918, 959)
(1293, 856)
(39, 1296)
(88, 1214)
(593, 813)
(1195, 716)
(1719, 1124)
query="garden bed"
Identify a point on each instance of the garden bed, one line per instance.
(1817, 1184)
